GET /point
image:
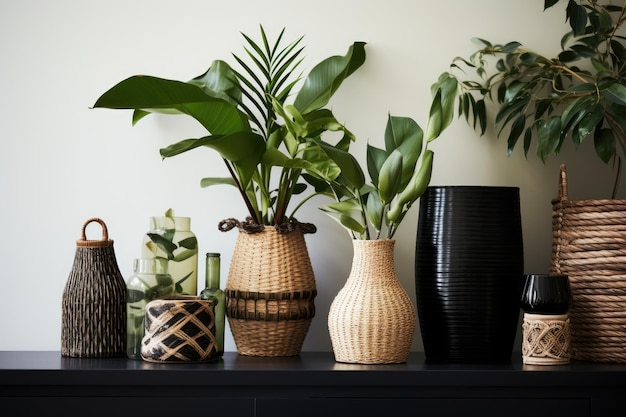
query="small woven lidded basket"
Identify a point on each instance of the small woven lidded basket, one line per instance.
(179, 329)
(270, 292)
(93, 323)
(589, 245)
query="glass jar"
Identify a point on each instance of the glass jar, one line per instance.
(171, 238)
(150, 280)
(213, 292)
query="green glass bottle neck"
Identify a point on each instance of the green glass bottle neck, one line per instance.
(212, 279)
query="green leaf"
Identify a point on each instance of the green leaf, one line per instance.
(604, 143)
(183, 255)
(345, 212)
(152, 94)
(207, 182)
(219, 81)
(348, 165)
(390, 177)
(616, 93)
(588, 124)
(404, 135)
(548, 137)
(374, 208)
(420, 180)
(375, 159)
(164, 244)
(516, 131)
(577, 16)
(189, 243)
(326, 77)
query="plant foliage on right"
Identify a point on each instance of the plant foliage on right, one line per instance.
(578, 94)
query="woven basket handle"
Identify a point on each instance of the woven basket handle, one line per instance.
(105, 232)
(563, 184)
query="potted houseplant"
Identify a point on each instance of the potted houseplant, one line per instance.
(268, 162)
(578, 95)
(372, 319)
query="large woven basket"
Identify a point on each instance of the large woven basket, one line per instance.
(589, 245)
(270, 292)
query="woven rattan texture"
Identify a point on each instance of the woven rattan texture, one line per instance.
(179, 331)
(546, 340)
(372, 320)
(270, 293)
(589, 245)
(93, 321)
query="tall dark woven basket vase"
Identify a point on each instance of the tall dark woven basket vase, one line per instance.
(94, 301)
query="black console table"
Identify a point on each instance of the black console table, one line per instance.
(311, 384)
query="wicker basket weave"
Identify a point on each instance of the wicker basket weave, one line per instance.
(270, 292)
(179, 329)
(93, 323)
(589, 245)
(372, 319)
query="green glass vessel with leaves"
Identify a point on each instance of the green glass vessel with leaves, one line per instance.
(578, 94)
(149, 281)
(170, 238)
(240, 109)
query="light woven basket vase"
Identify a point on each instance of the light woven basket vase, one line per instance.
(270, 293)
(372, 319)
(589, 245)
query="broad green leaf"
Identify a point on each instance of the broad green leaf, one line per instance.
(154, 94)
(374, 208)
(593, 118)
(348, 165)
(219, 81)
(207, 182)
(183, 255)
(390, 177)
(164, 244)
(604, 143)
(188, 243)
(516, 131)
(326, 77)
(404, 135)
(548, 137)
(616, 93)
(375, 159)
(577, 16)
(420, 180)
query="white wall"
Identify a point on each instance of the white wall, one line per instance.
(62, 162)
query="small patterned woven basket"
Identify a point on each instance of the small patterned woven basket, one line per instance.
(179, 329)
(93, 323)
(589, 245)
(270, 292)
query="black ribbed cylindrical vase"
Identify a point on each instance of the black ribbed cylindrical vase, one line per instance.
(469, 265)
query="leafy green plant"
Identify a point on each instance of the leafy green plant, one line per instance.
(376, 209)
(163, 244)
(241, 110)
(578, 94)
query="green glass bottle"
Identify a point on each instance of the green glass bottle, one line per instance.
(149, 281)
(213, 292)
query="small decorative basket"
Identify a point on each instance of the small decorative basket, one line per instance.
(589, 245)
(179, 329)
(93, 321)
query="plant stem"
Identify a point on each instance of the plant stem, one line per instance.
(249, 206)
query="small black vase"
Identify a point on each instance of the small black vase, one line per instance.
(546, 294)
(469, 266)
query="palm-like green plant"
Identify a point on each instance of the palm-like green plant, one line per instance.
(375, 210)
(578, 94)
(243, 111)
